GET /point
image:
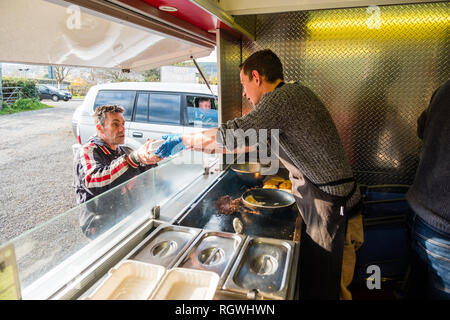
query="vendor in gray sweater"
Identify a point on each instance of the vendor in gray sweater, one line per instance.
(310, 148)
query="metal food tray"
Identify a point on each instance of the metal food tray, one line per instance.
(213, 251)
(262, 267)
(165, 245)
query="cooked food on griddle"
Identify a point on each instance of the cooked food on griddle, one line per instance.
(273, 183)
(277, 182)
(277, 178)
(270, 186)
(251, 199)
(286, 185)
(227, 205)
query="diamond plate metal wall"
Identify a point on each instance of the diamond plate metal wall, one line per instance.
(229, 55)
(375, 69)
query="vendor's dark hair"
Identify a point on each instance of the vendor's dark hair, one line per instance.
(100, 112)
(266, 63)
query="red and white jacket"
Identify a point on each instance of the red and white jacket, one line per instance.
(98, 168)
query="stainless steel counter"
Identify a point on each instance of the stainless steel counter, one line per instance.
(260, 264)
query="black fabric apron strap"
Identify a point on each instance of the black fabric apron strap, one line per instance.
(323, 235)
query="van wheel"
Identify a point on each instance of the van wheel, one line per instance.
(55, 98)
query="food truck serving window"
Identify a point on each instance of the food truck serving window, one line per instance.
(59, 33)
(56, 253)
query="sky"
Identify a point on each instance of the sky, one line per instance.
(210, 58)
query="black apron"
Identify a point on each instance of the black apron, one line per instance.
(323, 234)
(325, 221)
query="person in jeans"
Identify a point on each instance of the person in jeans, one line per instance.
(429, 198)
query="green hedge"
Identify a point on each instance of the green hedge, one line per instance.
(28, 88)
(22, 105)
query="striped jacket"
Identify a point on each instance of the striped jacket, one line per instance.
(98, 168)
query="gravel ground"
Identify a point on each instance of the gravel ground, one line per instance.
(35, 167)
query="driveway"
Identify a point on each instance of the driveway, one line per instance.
(35, 167)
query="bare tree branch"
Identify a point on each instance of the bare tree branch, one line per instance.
(61, 72)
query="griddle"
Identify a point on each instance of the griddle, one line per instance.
(204, 214)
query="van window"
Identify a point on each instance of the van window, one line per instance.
(165, 108)
(142, 108)
(124, 98)
(201, 112)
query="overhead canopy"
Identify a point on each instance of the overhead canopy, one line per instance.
(60, 33)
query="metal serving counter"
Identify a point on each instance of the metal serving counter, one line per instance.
(171, 221)
(261, 263)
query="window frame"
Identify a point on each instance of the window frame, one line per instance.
(197, 95)
(133, 104)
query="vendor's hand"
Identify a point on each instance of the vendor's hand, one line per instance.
(172, 145)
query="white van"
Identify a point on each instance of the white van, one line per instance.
(152, 109)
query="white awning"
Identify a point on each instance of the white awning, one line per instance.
(58, 33)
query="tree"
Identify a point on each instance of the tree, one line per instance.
(152, 75)
(61, 73)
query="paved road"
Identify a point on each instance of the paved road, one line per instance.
(35, 167)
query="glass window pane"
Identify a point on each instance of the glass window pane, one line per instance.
(165, 108)
(122, 98)
(142, 108)
(202, 112)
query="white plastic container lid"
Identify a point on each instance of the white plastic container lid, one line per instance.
(155, 145)
(130, 280)
(187, 284)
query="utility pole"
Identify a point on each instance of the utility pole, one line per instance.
(51, 73)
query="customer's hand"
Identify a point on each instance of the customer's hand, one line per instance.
(172, 145)
(145, 156)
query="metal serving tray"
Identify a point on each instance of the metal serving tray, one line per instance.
(165, 245)
(264, 266)
(213, 251)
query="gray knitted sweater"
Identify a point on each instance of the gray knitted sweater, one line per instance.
(429, 196)
(307, 134)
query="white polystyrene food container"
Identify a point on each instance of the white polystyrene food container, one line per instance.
(187, 284)
(130, 280)
(155, 145)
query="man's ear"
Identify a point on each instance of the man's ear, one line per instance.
(256, 76)
(99, 127)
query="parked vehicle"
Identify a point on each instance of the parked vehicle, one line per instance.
(49, 92)
(152, 109)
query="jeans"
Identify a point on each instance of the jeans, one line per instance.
(430, 261)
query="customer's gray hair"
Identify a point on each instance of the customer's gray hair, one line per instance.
(100, 112)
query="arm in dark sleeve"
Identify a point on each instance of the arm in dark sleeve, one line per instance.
(421, 124)
(101, 176)
(132, 154)
(246, 128)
